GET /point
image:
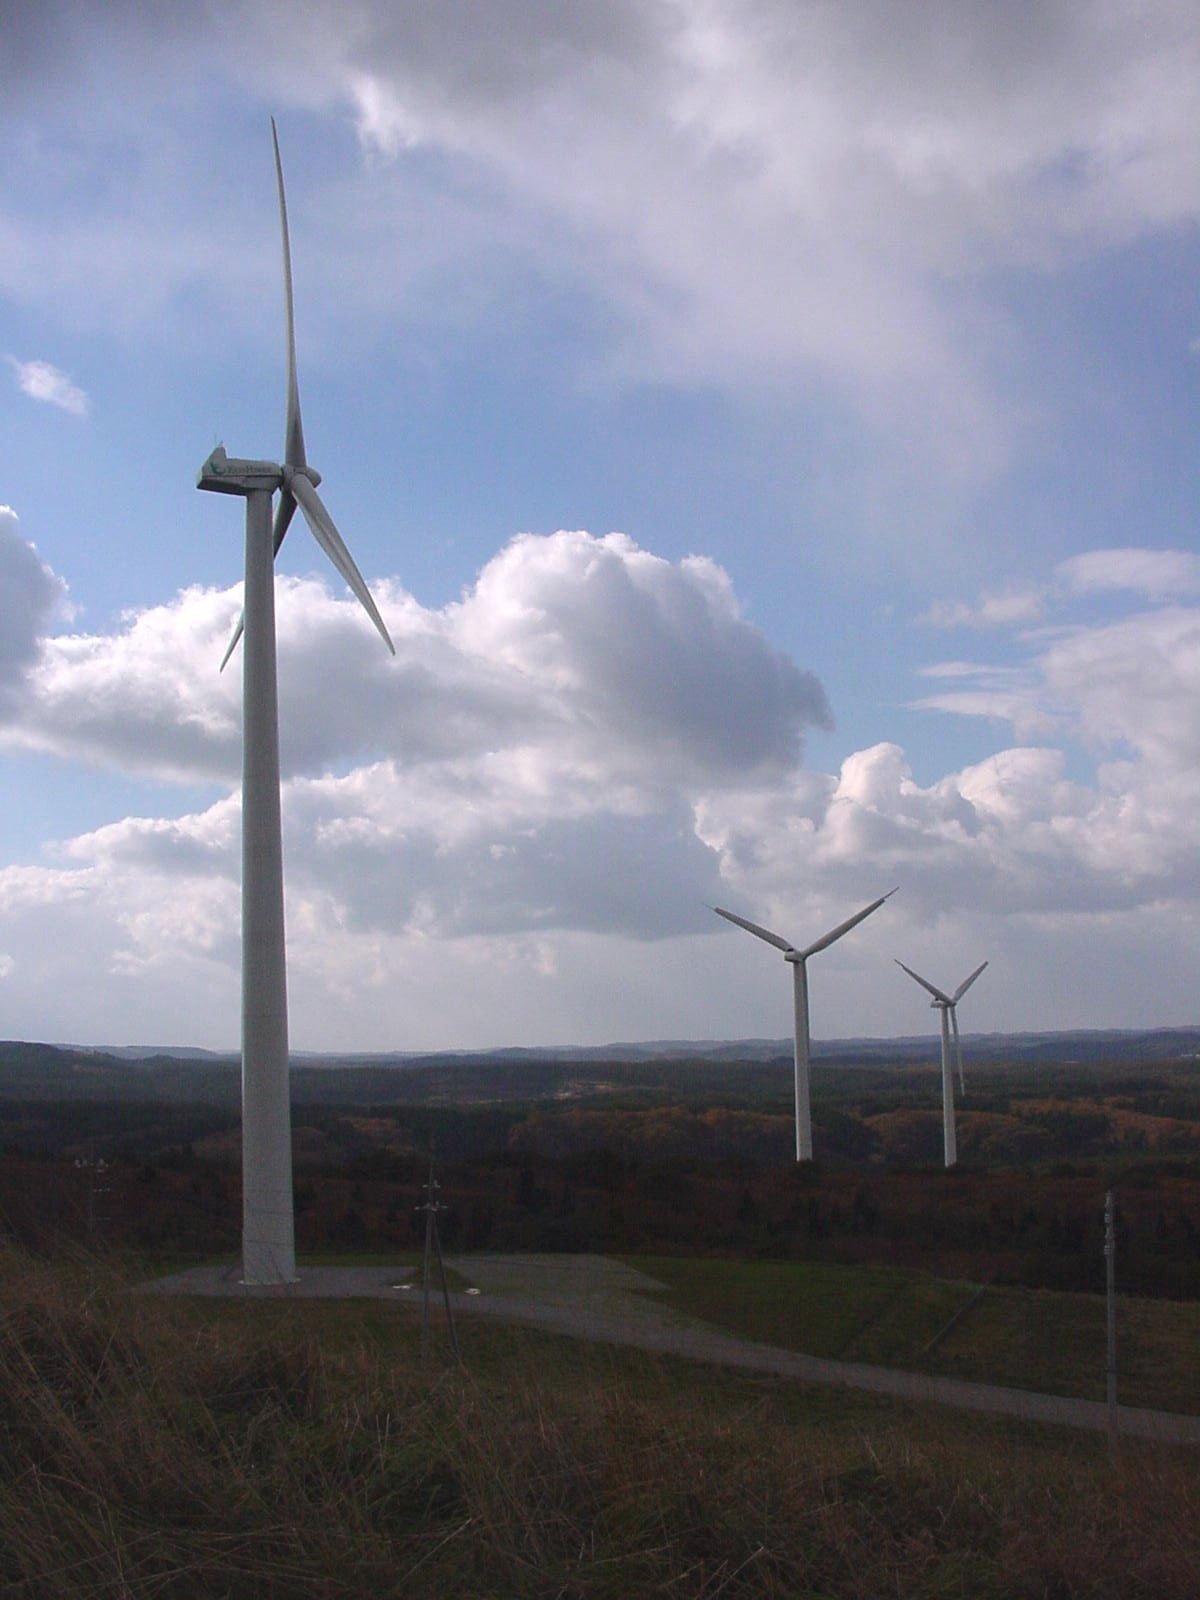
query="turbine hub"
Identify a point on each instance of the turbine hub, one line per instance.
(311, 473)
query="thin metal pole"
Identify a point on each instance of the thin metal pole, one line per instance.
(1110, 1276)
(948, 1128)
(437, 1240)
(804, 1144)
(433, 1243)
(425, 1270)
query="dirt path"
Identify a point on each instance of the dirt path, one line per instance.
(592, 1297)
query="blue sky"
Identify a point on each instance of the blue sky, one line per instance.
(768, 429)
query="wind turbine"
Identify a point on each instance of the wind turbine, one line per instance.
(798, 958)
(947, 1004)
(268, 1225)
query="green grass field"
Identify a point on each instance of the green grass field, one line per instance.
(1032, 1339)
(848, 1313)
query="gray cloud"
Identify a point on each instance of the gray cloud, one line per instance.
(760, 192)
(639, 876)
(29, 592)
(51, 43)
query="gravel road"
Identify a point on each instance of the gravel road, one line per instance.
(591, 1297)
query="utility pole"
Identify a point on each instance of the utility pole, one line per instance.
(433, 1243)
(1110, 1296)
(96, 1173)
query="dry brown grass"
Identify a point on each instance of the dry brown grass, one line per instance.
(161, 1448)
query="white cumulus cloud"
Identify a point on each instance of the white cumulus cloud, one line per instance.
(29, 593)
(594, 657)
(526, 762)
(42, 381)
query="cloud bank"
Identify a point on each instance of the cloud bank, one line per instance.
(565, 766)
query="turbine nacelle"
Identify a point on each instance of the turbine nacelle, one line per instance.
(225, 474)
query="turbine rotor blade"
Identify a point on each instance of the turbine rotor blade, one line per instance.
(939, 997)
(844, 927)
(966, 983)
(962, 1086)
(233, 643)
(284, 512)
(293, 447)
(334, 547)
(753, 927)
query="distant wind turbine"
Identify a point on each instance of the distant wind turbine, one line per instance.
(798, 958)
(268, 1224)
(947, 1004)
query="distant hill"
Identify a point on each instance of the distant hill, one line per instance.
(1157, 1044)
(1037, 1098)
(148, 1052)
(31, 1071)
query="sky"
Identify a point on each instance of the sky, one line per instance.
(768, 430)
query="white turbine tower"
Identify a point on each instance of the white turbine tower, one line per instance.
(947, 1004)
(798, 958)
(268, 1227)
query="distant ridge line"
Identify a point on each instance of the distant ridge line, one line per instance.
(1090, 1043)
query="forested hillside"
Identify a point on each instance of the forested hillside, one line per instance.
(692, 1156)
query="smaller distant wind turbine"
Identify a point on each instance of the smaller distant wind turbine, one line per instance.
(798, 958)
(947, 1004)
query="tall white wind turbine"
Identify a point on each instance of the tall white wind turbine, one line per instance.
(268, 1225)
(947, 1004)
(798, 958)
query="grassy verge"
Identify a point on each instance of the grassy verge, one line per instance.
(199, 1449)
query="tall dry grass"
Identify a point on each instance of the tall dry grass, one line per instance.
(151, 1447)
